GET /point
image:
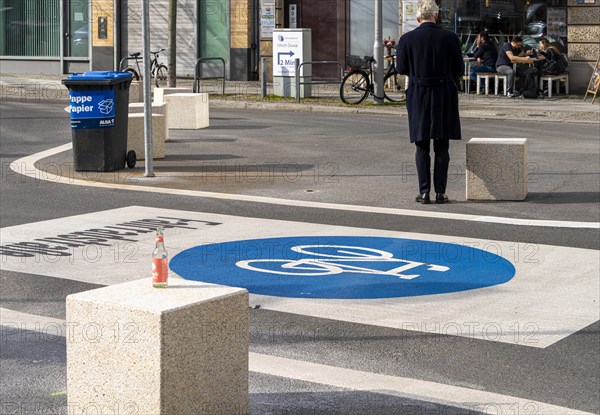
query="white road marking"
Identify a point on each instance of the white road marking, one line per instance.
(421, 390)
(554, 292)
(10, 319)
(455, 396)
(26, 166)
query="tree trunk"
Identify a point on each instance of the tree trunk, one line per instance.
(172, 43)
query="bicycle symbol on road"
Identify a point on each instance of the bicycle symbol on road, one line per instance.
(334, 259)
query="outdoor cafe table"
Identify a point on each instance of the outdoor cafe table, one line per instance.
(533, 62)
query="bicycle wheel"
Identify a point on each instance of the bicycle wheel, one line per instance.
(355, 87)
(393, 87)
(134, 75)
(160, 76)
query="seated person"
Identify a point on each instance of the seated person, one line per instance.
(553, 62)
(486, 56)
(509, 54)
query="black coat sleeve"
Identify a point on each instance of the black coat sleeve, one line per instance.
(458, 65)
(402, 64)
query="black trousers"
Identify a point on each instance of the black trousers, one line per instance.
(440, 168)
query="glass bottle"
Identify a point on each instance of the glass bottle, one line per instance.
(160, 261)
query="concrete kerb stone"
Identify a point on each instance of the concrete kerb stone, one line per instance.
(176, 350)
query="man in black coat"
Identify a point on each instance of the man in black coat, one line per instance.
(432, 58)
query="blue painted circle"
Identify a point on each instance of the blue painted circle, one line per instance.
(344, 267)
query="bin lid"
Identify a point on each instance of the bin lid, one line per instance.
(100, 76)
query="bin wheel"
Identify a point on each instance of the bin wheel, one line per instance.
(131, 159)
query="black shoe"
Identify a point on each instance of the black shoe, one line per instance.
(441, 198)
(423, 198)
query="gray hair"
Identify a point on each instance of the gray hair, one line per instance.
(427, 10)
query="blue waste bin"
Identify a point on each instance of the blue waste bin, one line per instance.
(99, 116)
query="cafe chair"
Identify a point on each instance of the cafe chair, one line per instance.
(558, 78)
(497, 79)
(486, 76)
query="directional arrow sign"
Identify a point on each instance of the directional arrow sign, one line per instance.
(280, 54)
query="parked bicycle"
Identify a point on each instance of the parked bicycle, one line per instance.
(158, 71)
(359, 83)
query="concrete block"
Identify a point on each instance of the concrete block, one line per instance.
(157, 108)
(169, 351)
(159, 93)
(497, 169)
(136, 91)
(135, 136)
(188, 111)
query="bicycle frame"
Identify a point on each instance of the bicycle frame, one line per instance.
(359, 83)
(154, 64)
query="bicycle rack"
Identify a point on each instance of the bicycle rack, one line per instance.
(298, 66)
(198, 78)
(129, 58)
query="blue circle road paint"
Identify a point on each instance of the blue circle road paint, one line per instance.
(343, 267)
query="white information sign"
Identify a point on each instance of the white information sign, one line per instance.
(267, 18)
(287, 47)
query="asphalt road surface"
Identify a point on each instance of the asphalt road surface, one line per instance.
(524, 344)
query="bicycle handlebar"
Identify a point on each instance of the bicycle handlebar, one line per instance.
(138, 54)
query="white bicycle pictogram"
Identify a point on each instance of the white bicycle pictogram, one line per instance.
(338, 260)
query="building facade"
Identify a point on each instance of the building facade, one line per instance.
(63, 36)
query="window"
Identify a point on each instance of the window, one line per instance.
(30, 28)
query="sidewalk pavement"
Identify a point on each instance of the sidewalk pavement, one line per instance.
(247, 95)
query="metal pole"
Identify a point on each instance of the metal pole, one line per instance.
(378, 53)
(263, 77)
(116, 29)
(297, 76)
(147, 88)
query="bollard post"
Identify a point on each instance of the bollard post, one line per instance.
(263, 77)
(297, 74)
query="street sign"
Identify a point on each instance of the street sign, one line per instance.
(267, 18)
(343, 267)
(287, 47)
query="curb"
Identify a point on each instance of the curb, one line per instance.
(518, 114)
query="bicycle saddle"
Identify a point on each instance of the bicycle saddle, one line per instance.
(135, 55)
(369, 59)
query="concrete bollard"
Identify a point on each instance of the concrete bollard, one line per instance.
(160, 93)
(132, 348)
(188, 111)
(497, 169)
(135, 136)
(157, 108)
